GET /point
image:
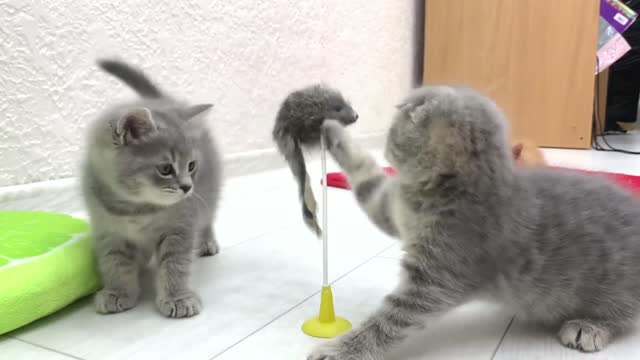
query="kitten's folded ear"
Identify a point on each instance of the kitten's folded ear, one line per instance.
(403, 106)
(133, 126)
(409, 108)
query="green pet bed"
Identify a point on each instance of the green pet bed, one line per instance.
(46, 263)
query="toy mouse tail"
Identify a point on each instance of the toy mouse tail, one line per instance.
(292, 152)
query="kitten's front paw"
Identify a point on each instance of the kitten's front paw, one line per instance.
(110, 301)
(584, 335)
(333, 350)
(334, 134)
(186, 305)
(209, 247)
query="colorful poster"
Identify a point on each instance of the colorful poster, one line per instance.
(615, 18)
(611, 52)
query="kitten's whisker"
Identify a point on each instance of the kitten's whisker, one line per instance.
(197, 196)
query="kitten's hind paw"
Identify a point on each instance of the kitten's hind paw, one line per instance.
(186, 305)
(111, 302)
(584, 335)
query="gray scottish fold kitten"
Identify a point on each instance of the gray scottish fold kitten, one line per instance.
(555, 247)
(151, 182)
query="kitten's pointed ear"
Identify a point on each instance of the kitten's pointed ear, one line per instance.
(517, 150)
(196, 117)
(197, 112)
(133, 126)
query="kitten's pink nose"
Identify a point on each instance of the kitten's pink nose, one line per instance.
(185, 188)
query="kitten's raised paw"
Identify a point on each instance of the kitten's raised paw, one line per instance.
(186, 305)
(110, 301)
(584, 335)
(333, 133)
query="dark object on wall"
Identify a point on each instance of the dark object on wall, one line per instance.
(624, 80)
(418, 43)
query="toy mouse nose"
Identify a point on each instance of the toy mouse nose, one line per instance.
(357, 116)
(185, 188)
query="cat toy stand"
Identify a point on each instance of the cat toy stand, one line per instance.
(326, 324)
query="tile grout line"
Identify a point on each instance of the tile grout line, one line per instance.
(268, 232)
(504, 335)
(255, 237)
(265, 325)
(388, 258)
(46, 348)
(298, 304)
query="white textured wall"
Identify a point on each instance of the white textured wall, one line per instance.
(242, 55)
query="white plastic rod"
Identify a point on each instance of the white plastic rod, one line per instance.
(325, 248)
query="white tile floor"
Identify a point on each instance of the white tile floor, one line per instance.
(265, 283)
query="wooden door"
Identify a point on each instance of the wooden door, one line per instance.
(535, 58)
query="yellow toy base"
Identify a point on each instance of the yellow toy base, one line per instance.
(316, 328)
(327, 324)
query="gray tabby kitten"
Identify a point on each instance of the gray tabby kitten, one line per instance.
(298, 125)
(151, 181)
(556, 247)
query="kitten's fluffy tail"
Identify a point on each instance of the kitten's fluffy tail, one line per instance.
(131, 76)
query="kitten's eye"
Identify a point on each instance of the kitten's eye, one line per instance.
(165, 170)
(192, 166)
(337, 108)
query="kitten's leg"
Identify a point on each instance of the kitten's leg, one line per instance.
(208, 243)
(119, 269)
(586, 335)
(419, 295)
(174, 297)
(372, 187)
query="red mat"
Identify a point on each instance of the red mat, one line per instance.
(631, 182)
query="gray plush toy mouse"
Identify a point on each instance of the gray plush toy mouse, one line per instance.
(298, 126)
